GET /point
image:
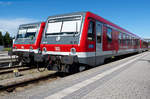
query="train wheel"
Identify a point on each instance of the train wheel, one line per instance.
(20, 63)
(74, 68)
(82, 68)
(40, 67)
(28, 64)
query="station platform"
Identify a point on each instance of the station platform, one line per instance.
(128, 78)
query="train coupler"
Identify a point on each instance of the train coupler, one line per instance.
(38, 58)
(69, 59)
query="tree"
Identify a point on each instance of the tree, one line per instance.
(1, 38)
(7, 40)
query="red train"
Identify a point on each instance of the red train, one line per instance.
(28, 42)
(72, 42)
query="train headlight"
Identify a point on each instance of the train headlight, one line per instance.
(73, 51)
(14, 47)
(39, 50)
(44, 49)
(22, 47)
(31, 48)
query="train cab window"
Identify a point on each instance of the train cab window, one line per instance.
(98, 32)
(109, 35)
(91, 32)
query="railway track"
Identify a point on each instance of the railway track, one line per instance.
(9, 81)
(11, 69)
(7, 67)
(10, 85)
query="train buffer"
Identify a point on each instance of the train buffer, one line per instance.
(128, 78)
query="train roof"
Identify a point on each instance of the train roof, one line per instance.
(98, 17)
(112, 24)
(68, 14)
(30, 23)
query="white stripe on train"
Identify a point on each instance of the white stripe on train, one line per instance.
(26, 50)
(90, 54)
(79, 54)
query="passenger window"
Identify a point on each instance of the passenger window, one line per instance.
(130, 42)
(137, 42)
(120, 38)
(127, 36)
(91, 34)
(133, 41)
(109, 35)
(124, 39)
(98, 32)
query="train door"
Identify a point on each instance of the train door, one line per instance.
(98, 53)
(91, 45)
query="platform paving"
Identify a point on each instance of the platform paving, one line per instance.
(128, 78)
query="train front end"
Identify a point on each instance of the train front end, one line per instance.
(27, 42)
(63, 46)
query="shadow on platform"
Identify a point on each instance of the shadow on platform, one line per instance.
(144, 60)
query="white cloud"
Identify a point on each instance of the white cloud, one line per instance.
(5, 3)
(11, 25)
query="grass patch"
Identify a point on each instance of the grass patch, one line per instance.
(6, 49)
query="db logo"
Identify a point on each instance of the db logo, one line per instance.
(57, 48)
(58, 38)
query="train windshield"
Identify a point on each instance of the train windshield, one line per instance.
(27, 32)
(64, 26)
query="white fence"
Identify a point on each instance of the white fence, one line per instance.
(1, 48)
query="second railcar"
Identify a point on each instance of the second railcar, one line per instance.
(27, 42)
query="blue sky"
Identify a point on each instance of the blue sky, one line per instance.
(133, 15)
